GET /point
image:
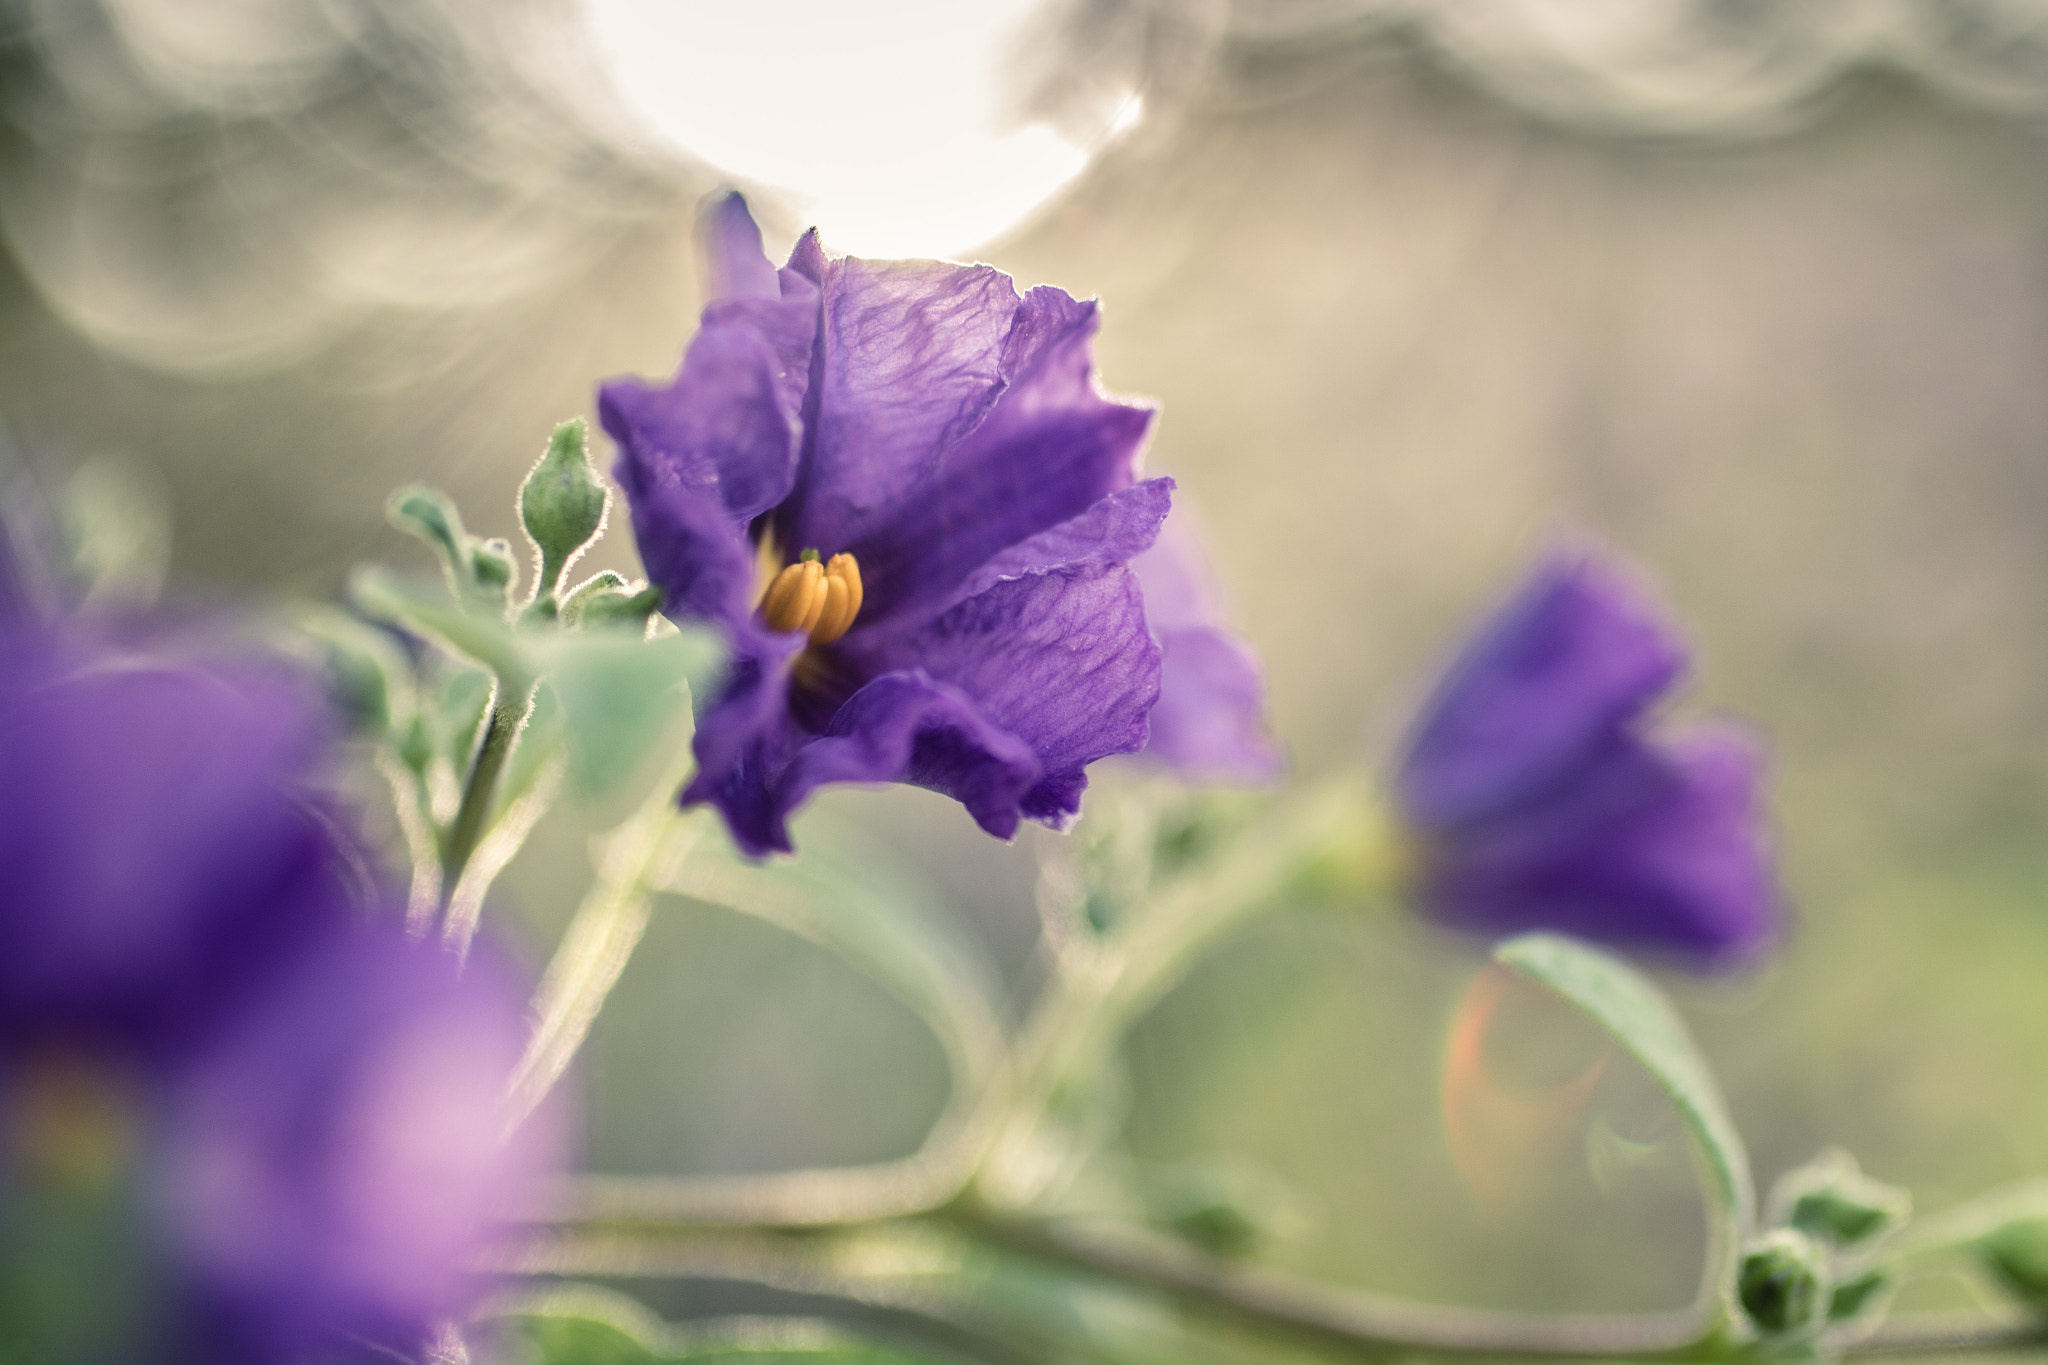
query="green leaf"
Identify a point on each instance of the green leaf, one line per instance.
(619, 694)
(430, 514)
(476, 634)
(1638, 1017)
(563, 1339)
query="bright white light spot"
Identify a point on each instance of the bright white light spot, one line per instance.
(877, 122)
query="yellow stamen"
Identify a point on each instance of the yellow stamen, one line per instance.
(796, 597)
(821, 600)
(842, 600)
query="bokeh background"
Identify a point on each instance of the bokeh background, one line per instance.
(1756, 294)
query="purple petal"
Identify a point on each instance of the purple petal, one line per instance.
(156, 843)
(337, 1160)
(703, 456)
(1061, 659)
(1210, 722)
(906, 727)
(984, 432)
(1575, 654)
(1118, 529)
(745, 741)
(735, 265)
(910, 361)
(1687, 876)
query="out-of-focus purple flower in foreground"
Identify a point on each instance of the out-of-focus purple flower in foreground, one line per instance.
(897, 488)
(278, 1115)
(1542, 798)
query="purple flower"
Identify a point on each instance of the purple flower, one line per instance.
(1542, 799)
(948, 507)
(279, 1116)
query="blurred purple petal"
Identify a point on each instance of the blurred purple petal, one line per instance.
(156, 838)
(1210, 723)
(1686, 877)
(1577, 652)
(337, 1160)
(735, 265)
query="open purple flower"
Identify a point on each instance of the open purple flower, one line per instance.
(241, 1119)
(1542, 799)
(944, 507)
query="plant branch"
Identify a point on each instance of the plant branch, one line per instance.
(608, 923)
(511, 700)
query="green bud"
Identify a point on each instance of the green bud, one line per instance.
(492, 567)
(1852, 1297)
(614, 607)
(1783, 1283)
(1830, 1199)
(429, 514)
(2016, 1252)
(562, 504)
(1223, 1208)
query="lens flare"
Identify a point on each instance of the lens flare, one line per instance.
(1502, 1130)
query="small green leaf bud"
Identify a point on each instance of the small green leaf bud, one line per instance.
(562, 504)
(2016, 1252)
(1830, 1198)
(1852, 1297)
(1783, 1283)
(614, 607)
(429, 514)
(492, 567)
(1223, 1208)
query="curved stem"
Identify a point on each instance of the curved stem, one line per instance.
(510, 703)
(1360, 1322)
(1102, 989)
(601, 936)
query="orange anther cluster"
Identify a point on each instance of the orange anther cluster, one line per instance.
(819, 599)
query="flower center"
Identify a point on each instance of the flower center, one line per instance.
(71, 1122)
(819, 599)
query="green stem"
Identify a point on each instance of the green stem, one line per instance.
(637, 855)
(1361, 1323)
(510, 703)
(1102, 989)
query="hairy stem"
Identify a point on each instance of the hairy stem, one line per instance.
(510, 703)
(635, 856)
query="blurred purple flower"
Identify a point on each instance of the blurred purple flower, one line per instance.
(194, 1006)
(158, 846)
(1543, 801)
(941, 444)
(336, 1158)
